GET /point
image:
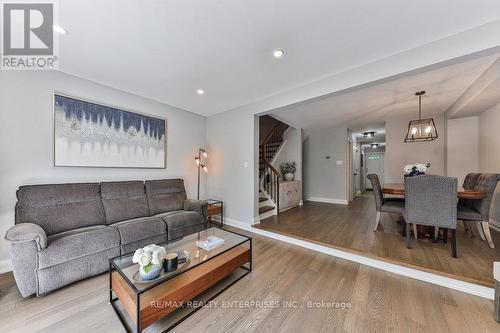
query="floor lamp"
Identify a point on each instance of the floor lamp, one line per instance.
(201, 165)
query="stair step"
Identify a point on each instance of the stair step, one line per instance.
(262, 199)
(265, 209)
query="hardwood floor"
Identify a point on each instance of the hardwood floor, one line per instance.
(351, 227)
(379, 301)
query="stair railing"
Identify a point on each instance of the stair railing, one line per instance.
(272, 183)
(269, 173)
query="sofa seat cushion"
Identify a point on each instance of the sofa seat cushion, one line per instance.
(78, 243)
(140, 228)
(181, 223)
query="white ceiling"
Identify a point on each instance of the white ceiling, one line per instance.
(165, 50)
(367, 108)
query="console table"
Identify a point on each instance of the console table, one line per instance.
(290, 194)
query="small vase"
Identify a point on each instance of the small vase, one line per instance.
(153, 273)
(289, 176)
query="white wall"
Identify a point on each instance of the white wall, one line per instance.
(324, 178)
(462, 147)
(232, 139)
(398, 153)
(291, 151)
(489, 151)
(26, 137)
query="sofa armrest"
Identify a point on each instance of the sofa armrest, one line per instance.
(27, 232)
(25, 241)
(199, 206)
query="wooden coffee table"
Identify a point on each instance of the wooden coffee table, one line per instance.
(160, 305)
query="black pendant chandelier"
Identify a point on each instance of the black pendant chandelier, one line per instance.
(421, 129)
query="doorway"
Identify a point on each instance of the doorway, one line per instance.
(373, 163)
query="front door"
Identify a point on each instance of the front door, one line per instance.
(374, 163)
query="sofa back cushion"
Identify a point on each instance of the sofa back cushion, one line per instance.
(60, 207)
(165, 195)
(124, 200)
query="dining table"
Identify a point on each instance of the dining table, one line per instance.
(427, 231)
(462, 193)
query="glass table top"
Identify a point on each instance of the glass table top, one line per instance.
(188, 243)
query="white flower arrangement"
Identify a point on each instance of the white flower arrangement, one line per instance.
(149, 256)
(417, 168)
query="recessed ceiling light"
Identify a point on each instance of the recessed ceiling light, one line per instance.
(200, 91)
(278, 53)
(59, 29)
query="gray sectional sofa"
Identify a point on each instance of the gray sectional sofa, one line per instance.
(67, 232)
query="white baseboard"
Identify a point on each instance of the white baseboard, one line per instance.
(466, 287)
(328, 200)
(238, 224)
(5, 266)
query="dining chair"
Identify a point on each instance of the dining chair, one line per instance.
(478, 210)
(384, 205)
(431, 200)
(468, 184)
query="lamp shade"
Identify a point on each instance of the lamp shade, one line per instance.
(421, 130)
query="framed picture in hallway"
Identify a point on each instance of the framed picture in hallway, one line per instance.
(87, 134)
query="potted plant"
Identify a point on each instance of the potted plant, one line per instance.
(150, 260)
(288, 170)
(416, 169)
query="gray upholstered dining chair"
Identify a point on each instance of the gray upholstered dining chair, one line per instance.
(384, 205)
(431, 200)
(478, 210)
(468, 184)
(470, 181)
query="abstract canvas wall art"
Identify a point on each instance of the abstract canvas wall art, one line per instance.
(93, 135)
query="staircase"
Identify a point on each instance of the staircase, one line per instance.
(269, 177)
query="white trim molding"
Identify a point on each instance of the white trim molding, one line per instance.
(238, 224)
(5, 266)
(256, 220)
(466, 287)
(328, 200)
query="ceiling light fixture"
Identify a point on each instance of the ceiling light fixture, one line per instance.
(59, 29)
(369, 134)
(278, 53)
(200, 91)
(421, 129)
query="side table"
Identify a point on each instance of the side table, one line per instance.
(215, 212)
